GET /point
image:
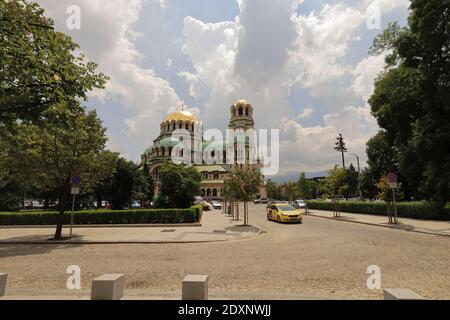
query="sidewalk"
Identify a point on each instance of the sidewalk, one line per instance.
(214, 227)
(441, 228)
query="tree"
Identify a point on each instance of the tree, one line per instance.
(122, 184)
(241, 185)
(38, 67)
(381, 156)
(273, 191)
(290, 191)
(368, 184)
(385, 192)
(352, 182)
(335, 185)
(65, 143)
(305, 187)
(411, 98)
(179, 185)
(340, 147)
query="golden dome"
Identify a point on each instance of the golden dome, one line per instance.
(242, 103)
(182, 116)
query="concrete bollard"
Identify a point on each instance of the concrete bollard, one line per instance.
(195, 287)
(401, 294)
(3, 278)
(108, 287)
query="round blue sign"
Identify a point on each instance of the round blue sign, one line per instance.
(75, 180)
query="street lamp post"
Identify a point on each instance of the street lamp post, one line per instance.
(359, 176)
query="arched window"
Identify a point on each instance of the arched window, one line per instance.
(241, 111)
(208, 193)
(174, 126)
(214, 192)
(246, 112)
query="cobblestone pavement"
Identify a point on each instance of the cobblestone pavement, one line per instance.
(320, 258)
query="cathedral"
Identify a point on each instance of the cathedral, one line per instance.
(214, 173)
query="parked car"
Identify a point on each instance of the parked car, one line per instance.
(299, 204)
(135, 205)
(216, 205)
(281, 212)
(261, 201)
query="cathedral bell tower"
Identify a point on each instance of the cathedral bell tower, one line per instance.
(241, 116)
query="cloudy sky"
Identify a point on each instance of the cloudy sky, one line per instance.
(303, 64)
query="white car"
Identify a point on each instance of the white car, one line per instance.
(299, 204)
(216, 205)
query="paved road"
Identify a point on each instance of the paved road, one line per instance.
(321, 258)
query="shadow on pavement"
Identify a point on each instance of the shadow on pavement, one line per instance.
(22, 246)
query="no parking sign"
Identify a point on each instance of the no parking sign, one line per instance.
(392, 180)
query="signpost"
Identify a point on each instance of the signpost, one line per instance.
(75, 181)
(393, 184)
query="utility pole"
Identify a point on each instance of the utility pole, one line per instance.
(340, 147)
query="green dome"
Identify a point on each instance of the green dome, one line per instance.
(149, 150)
(167, 143)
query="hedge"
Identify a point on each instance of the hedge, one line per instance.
(417, 210)
(146, 216)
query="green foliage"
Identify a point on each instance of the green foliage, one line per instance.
(306, 188)
(64, 143)
(147, 216)
(179, 185)
(368, 182)
(242, 184)
(335, 185)
(417, 210)
(122, 184)
(411, 98)
(11, 197)
(274, 191)
(385, 192)
(381, 156)
(38, 65)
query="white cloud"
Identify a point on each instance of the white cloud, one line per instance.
(365, 73)
(107, 37)
(306, 113)
(261, 56)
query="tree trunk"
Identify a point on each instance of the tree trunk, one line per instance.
(60, 222)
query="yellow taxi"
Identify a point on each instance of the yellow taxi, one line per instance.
(282, 212)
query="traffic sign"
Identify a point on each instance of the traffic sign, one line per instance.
(393, 185)
(392, 178)
(75, 180)
(75, 191)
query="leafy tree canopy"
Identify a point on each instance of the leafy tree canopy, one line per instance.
(38, 66)
(412, 96)
(179, 185)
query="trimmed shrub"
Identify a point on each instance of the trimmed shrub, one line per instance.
(417, 210)
(148, 216)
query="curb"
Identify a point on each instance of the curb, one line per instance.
(86, 226)
(379, 225)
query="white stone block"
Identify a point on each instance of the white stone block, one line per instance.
(195, 287)
(108, 287)
(401, 294)
(3, 279)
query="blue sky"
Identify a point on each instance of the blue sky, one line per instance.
(302, 64)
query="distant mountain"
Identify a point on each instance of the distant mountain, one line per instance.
(293, 176)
